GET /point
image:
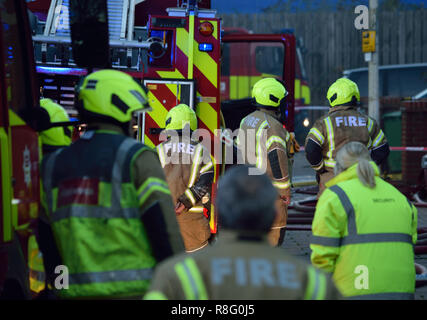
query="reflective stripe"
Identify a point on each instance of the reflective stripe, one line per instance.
(258, 144)
(282, 185)
(330, 133)
(116, 177)
(361, 238)
(207, 167)
(111, 276)
(274, 139)
(321, 293)
(190, 196)
(196, 210)
(186, 283)
(348, 207)
(37, 280)
(384, 296)
(47, 181)
(288, 136)
(197, 277)
(316, 285)
(378, 139)
(149, 186)
(155, 295)
(317, 134)
(195, 166)
(370, 125)
(377, 237)
(310, 283)
(369, 145)
(320, 165)
(192, 281)
(325, 241)
(161, 154)
(330, 163)
(95, 212)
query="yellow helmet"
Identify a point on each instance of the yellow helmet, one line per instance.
(111, 94)
(57, 136)
(269, 92)
(343, 91)
(179, 116)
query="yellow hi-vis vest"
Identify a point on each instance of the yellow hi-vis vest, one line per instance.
(35, 265)
(365, 238)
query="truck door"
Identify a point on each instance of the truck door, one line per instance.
(19, 149)
(247, 58)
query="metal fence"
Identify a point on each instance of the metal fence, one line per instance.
(333, 44)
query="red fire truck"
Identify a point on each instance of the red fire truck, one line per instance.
(173, 47)
(178, 52)
(260, 59)
(19, 147)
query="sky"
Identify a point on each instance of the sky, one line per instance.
(251, 6)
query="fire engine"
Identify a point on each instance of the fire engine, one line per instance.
(174, 47)
(19, 147)
(179, 51)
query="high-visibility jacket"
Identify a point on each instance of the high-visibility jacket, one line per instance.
(189, 171)
(365, 237)
(240, 269)
(103, 196)
(341, 125)
(35, 266)
(264, 142)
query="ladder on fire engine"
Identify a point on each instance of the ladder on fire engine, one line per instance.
(120, 19)
(121, 16)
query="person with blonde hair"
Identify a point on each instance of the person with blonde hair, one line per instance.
(364, 230)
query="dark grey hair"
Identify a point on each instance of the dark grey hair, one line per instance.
(246, 202)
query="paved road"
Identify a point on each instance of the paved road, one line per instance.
(297, 242)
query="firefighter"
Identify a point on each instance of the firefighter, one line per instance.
(364, 230)
(51, 139)
(108, 214)
(242, 265)
(56, 137)
(262, 134)
(189, 172)
(341, 125)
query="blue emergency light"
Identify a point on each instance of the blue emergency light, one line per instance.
(61, 70)
(205, 47)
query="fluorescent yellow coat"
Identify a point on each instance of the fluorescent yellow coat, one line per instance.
(371, 254)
